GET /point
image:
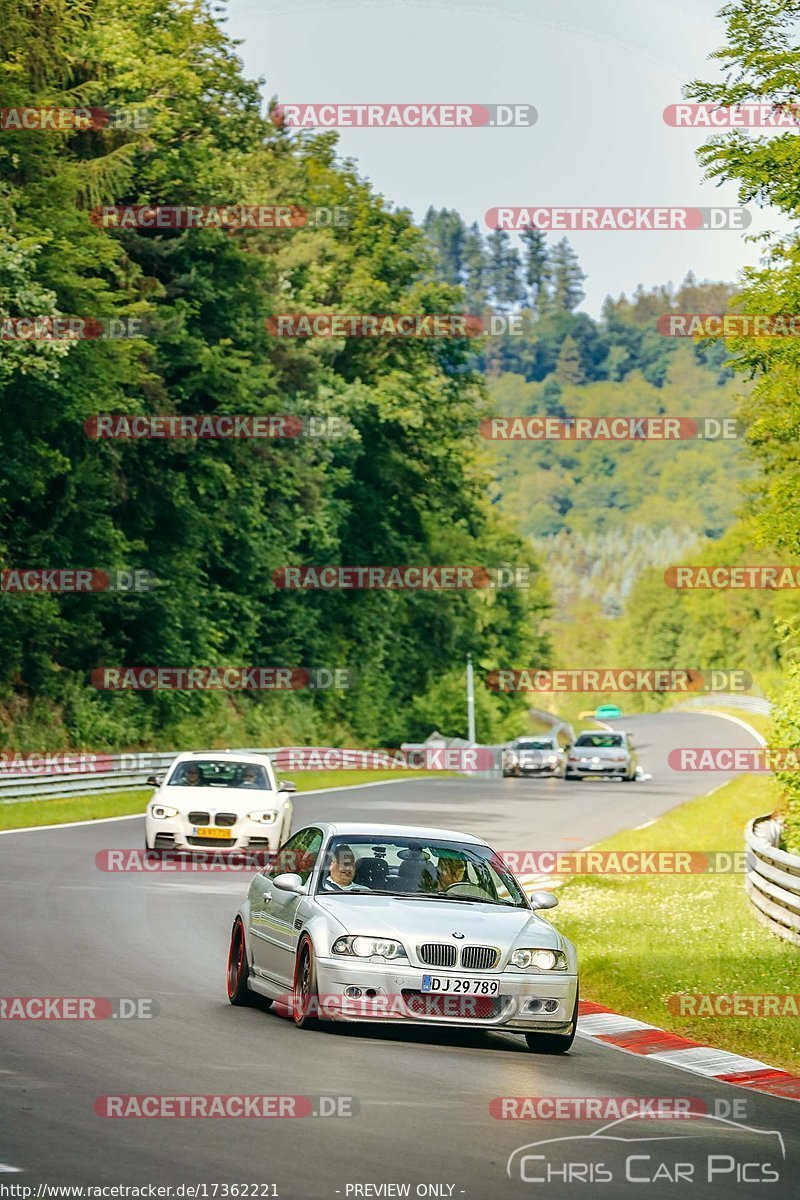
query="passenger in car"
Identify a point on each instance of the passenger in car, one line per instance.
(451, 869)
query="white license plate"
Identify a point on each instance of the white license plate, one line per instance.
(462, 987)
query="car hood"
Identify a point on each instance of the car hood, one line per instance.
(219, 799)
(432, 920)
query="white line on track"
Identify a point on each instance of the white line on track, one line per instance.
(713, 712)
(353, 787)
(5, 1167)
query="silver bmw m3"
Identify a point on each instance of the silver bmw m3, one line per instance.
(392, 923)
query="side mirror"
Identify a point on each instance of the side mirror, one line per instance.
(286, 785)
(155, 780)
(543, 899)
(288, 882)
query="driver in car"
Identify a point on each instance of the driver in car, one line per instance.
(192, 776)
(341, 872)
(250, 778)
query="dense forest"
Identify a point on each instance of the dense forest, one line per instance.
(212, 520)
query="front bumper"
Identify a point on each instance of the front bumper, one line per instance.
(599, 770)
(178, 833)
(398, 999)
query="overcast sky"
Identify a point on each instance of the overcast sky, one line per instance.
(599, 72)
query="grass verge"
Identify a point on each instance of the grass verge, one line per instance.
(644, 938)
(122, 804)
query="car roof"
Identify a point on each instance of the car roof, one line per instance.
(367, 829)
(240, 756)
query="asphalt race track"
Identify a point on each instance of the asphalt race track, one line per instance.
(423, 1095)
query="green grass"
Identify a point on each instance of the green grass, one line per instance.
(641, 939)
(121, 804)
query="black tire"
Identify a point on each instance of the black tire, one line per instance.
(238, 970)
(554, 1043)
(305, 1001)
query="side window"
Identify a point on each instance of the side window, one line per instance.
(311, 851)
(298, 855)
(288, 855)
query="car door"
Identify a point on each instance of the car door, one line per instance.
(274, 937)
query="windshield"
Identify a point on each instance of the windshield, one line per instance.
(457, 871)
(535, 744)
(210, 772)
(600, 741)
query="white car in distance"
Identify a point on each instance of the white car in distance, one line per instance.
(221, 801)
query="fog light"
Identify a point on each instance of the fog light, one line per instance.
(550, 1006)
(352, 992)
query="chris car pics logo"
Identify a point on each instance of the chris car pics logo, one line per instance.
(698, 1150)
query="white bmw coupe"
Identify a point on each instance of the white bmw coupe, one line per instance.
(218, 801)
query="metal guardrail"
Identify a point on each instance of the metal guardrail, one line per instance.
(129, 772)
(126, 773)
(753, 704)
(772, 880)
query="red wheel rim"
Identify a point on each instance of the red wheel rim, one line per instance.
(235, 960)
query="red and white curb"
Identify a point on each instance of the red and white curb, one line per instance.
(637, 1037)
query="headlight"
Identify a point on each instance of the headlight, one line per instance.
(619, 758)
(264, 818)
(543, 960)
(161, 811)
(367, 947)
(552, 758)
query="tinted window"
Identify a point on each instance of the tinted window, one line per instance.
(601, 741)
(213, 772)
